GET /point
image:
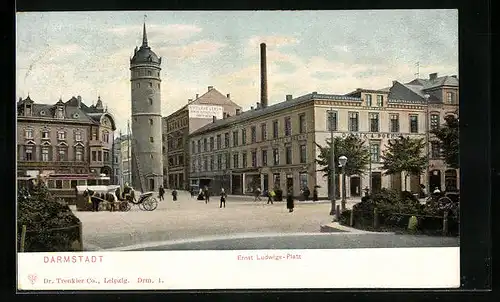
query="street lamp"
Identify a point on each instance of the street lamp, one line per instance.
(343, 162)
(332, 163)
(427, 138)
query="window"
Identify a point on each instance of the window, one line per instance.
(78, 136)
(302, 123)
(205, 163)
(254, 159)
(61, 135)
(253, 134)
(105, 136)
(199, 146)
(94, 134)
(374, 122)
(353, 121)
(235, 138)
(303, 154)
(226, 140)
(264, 158)
(413, 123)
(219, 142)
(73, 184)
(449, 97)
(244, 163)
(236, 161)
(228, 160)
(263, 132)
(45, 134)
(288, 126)
(150, 121)
(181, 160)
(138, 85)
(106, 156)
(331, 120)
(158, 84)
(275, 129)
(62, 153)
(150, 84)
(368, 100)
(45, 154)
(193, 166)
(434, 121)
(380, 100)
(94, 155)
(99, 155)
(59, 184)
(394, 122)
(149, 73)
(28, 133)
(212, 161)
(193, 148)
(205, 145)
(435, 150)
(150, 101)
(288, 155)
(303, 180)
(375, 152)
(276, 156)
(219, 161)
(79, 154)
(29, 153)
(243, 136)
(151, 139)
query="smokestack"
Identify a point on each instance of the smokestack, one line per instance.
(263, 75)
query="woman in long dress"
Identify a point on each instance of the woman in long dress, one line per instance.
(289, 201)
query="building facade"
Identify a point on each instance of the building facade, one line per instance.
(65, 138)
(442, 94)
(146, 144)
(197, 113)
(275, 146)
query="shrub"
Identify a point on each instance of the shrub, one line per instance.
(41, 214)
(279, 195)
(345, 217)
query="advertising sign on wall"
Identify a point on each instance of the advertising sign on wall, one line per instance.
(205, 111)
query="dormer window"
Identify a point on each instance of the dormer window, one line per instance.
(78, 136)
(449, 97)
(42, 113)
(61, 135)
(28, 133)
(27, 110)
(45, 134)
(59, 112)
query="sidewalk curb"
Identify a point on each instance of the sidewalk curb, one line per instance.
(335, 227)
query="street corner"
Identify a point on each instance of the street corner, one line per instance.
(332, 228)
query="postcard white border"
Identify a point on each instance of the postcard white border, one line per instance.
(389, 268)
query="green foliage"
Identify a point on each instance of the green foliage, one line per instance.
(41, 214)
(448, 136)
(404, 155)
(352, 147)
(413, 224)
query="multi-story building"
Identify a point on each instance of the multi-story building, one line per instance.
(275, 146)
(146, 117)
(123, 160)
(178, 125)
(69, 139)
(443, 98)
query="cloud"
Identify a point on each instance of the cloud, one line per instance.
(171, 32)
(273, 41)
(196, 49)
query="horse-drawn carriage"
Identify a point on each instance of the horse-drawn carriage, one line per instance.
(111, 198)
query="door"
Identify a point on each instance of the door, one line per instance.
(355, 184)
(152, 185)
(266, 182)
(434, 181)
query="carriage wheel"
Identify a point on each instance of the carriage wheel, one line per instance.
(445, 199)
(141, 206)
(125, 206)
(102, 206)
(150, 204)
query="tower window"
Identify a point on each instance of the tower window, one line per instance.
(150, 84)
(149, 73)
(138, 85)
(150, 101)
(151, 121)
(151, 139)
(158, 85)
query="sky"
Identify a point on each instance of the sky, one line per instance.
(65, 54)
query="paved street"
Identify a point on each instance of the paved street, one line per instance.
(192, 224)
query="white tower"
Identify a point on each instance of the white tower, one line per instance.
(147, 162)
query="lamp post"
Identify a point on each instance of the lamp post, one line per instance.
(427, 138)
(343, 162)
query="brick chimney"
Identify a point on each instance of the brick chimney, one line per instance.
(263, 75)
(214, 118)
(197, 95)
(190, 100)
(79, 101)
(224, 115)
(289, 97)
(454, 76)
(238, 111)
(210, 88)
(433, 76)
(228, 96)
(251, 107)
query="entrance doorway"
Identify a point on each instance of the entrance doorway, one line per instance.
(376, 182)
(355, 186)
(152, 185)
(289, 183)
(266, 182)
(434, 180)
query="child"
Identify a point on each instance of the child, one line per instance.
(223, 196)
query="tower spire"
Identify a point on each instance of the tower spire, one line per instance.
(144, 34)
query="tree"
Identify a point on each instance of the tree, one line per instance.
(352, 147)
(448, 137)
(404, 155)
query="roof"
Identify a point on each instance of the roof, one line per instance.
(437, 82)
(251, 114)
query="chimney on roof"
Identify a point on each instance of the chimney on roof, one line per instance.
(315, 92)
(251, 107)
(433, 76)
(289, 97)
(263, 75)
(258, 105)
(79, 101)
(238, 111)
(214, 118)
(197, 95)
(190, 100)
(228, 96)
(210, 88)
(454, 76)
(224, 115)
(394, 83)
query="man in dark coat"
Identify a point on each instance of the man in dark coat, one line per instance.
(223, 197)
(174, 195)
(206, 194)
(161, 192)
(289, 201)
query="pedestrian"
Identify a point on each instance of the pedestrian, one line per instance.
(206, 193)
(436, 191)
(223, 197)
(270, 196)
(174, 195)
(257, 194)
(289, 201)
(201, 195)
(315, 194)
(161, 192)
